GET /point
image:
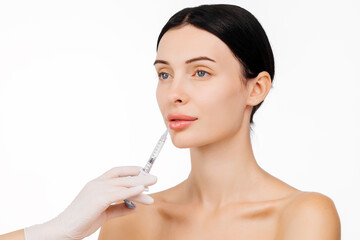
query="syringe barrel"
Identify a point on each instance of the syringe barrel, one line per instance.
(149, 164)
(146, 169)
(157, 149)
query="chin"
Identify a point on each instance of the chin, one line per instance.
(187, 145)
(196, 139)
(180, 140)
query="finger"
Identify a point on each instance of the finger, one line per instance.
(142, 198)
(133, 181)
(125, 193)
(118, 210)
(122, 171)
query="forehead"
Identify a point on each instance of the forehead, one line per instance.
(181, 44)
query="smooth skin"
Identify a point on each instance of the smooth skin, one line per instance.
(227, 195)
(16, 235)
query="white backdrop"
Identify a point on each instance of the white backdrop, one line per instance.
(77, 97)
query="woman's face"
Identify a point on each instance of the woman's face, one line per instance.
(211, 91)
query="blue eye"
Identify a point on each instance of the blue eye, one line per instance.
(160, 74)
(164, 75)
(201, 71)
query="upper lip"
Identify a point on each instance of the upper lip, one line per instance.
(173, 116)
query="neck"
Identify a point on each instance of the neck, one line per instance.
(223, 172)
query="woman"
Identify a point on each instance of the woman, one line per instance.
(215, 65)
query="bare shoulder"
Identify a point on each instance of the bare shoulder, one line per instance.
(140, 224)
(134, 225)
(311, 215)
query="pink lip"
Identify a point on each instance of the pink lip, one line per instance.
(184, 122)
(171, 117)
(177, 125)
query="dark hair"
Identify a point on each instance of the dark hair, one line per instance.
(238, 29)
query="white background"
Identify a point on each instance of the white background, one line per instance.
(77, 97)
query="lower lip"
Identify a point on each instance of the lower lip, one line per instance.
(176, 125)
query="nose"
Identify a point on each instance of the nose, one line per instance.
(177, 92)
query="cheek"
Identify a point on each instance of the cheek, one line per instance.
(161, 95)
(222, 110)
(157, 93)
(160, 98)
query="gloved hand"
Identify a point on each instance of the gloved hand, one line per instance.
(100, 200)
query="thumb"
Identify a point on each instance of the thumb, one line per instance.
(118, 210)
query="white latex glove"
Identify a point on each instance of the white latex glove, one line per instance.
(93, 205)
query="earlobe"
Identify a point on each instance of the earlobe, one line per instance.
(259, 88)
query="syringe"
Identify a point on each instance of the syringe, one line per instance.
(150, 162)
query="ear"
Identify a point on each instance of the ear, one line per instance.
(258, 88)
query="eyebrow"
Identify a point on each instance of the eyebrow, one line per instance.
(187, 61)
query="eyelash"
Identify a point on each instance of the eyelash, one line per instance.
(198, 70)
